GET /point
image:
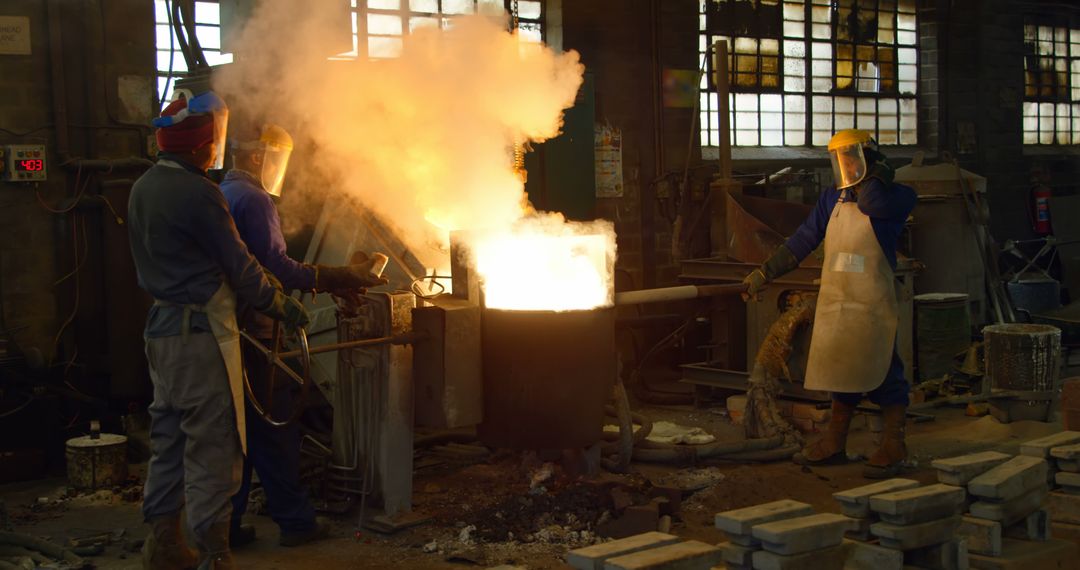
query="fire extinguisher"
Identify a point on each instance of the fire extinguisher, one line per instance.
(1040, 219)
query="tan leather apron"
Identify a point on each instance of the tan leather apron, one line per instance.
(221, 312)
(856, 317)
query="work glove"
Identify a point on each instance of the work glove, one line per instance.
(358, 275)
(755, 282)
(288, 310)
(779, 263)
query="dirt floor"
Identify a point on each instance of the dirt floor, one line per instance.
(507, 509)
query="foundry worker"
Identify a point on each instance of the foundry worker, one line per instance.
(190, 258)
(260, 158)
(853, 347)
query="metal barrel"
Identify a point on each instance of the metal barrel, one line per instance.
(1022, 357)
(942, 330)
(547, 376)
(94, 463)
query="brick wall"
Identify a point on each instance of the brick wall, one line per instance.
(108, 74)
(616, 41)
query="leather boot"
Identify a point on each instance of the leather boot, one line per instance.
(831, 447)
(214, 550)
(164, 548)
(889, 458)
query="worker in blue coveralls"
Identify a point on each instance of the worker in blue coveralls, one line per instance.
(188, 255)
(853, 346)
(260, 159)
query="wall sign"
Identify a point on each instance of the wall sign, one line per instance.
(608, 153)
(14, 35)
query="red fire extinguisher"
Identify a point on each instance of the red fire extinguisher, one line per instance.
(1040, 218)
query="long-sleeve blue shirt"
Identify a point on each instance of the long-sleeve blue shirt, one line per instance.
(257, 220)
(888, 206)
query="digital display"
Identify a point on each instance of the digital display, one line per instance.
(30, 165)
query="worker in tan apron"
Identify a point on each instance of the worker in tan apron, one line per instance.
(190, 258)
(853, 347)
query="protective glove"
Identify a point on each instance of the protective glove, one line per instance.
(882, 171)
(348, 277)
(755, 282)
(288, 310)
(779, 263)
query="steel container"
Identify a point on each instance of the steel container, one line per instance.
(97, 462)
(942, 331)
(1022, 357)
(547, 377)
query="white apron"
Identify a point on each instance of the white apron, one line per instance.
(221, 312)
(856, 317)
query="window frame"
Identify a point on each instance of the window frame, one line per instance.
(359, 10)
(1048, 108)
(166, 81)
(902, 106)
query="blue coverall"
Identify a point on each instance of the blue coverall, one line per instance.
(888, 206)
(273, 452)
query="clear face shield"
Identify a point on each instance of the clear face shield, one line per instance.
(848, 165)
(221, 126)
(275, 163)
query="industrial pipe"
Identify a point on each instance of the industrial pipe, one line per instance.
(679, 293)
(398, 339)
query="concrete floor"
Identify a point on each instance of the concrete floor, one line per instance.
(741, 485)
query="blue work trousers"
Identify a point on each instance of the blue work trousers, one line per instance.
(273, 453)
(892, 392)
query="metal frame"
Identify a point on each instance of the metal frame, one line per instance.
(808, 93)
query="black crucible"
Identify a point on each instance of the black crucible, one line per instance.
(547, 376)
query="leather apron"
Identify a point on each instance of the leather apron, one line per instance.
(221, 312)
(856, 317)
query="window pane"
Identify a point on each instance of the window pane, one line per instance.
(794, 29)
(209, 36)
(457, 6)
(431, 6)
(383, 25)
(529, 9)
(383, 47)
(794, 103)
(207, 13)
(417, 22)
(384, 4)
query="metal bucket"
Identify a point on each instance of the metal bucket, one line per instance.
(547, 377)
(94, 463)
(1022, 357)
(942, 330)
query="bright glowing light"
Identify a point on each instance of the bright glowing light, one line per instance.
(545, 263)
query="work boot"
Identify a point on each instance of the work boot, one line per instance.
(319, 531)
(889, 458)
(241, 535)
(164, 548)
(831, 447)
(214, 552)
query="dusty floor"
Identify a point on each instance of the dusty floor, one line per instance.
(483, 500)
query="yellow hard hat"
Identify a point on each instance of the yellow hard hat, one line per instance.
(849, 137)
(274, 135)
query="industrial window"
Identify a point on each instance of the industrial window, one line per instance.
(1051, 81)
(801, 70)
(380, 25)
(170, 61)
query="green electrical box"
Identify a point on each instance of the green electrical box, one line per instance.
(561, 170)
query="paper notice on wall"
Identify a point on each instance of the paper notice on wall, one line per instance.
(608, 153)
(14, 35)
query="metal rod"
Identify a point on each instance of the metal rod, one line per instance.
(398, 339)
(677, 293)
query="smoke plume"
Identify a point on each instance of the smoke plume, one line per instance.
(424, 139)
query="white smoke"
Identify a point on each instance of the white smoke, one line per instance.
(424, 139)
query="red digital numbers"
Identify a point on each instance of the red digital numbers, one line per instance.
(33, 165)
